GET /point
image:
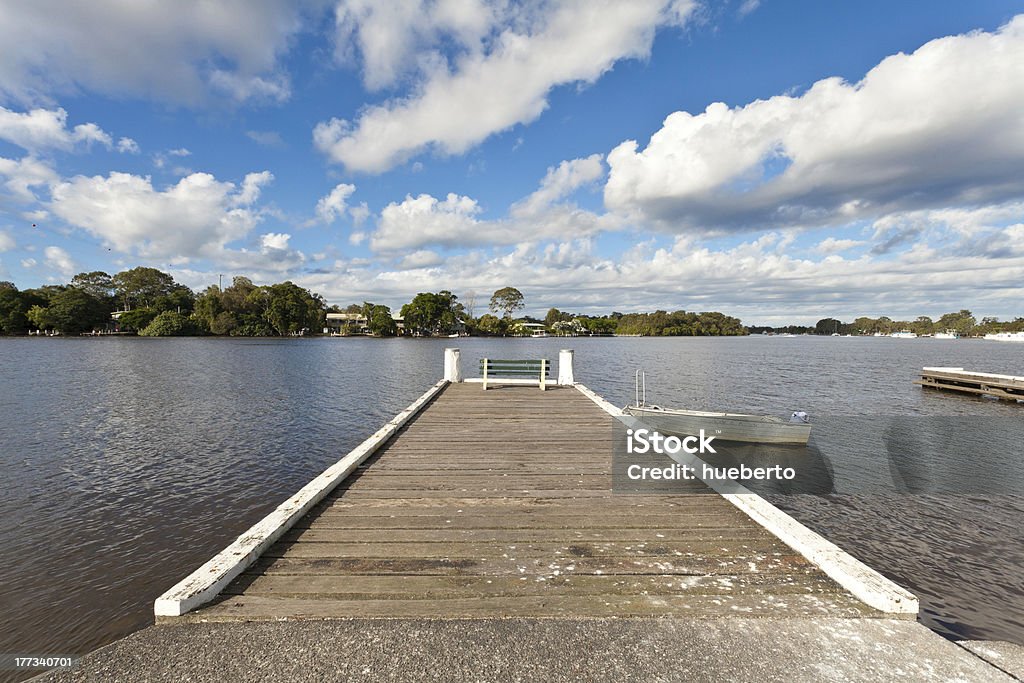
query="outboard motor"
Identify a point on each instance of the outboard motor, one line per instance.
(800, 417)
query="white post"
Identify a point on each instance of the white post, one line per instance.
(565, 377)
(452, 366)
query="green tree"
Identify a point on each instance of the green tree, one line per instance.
(430, 313)
(556, 316)
(922, 326)
(962, 321)
(224, 323)
(142, 286)
(292, 309)
(13, 310)
(492, 325)
(136, 319)
(507, 300)
(379, 321)
(827, 326)
(97, 284)
(71, 311)
(168, 324)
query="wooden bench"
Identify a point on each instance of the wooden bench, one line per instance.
(515, 372)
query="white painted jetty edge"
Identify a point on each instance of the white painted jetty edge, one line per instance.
(866, 584)
(968, 373)
(209, 580)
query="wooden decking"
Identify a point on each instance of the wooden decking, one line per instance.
(1006, 387)
(499, 503)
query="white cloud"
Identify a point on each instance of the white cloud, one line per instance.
(559, 182)
(422, 258)
(275, 240)
(257, 88)
(454, 221)
(427, 220)
(748, 6)
(28, 263)
(397, 38)
(940, 127)
(59, 260)
(42, 129)
(459, 105)
(7, 242)
(332, 206)
(161, 50)
(252, 184)
(127, 146)
(359, 213)
(832, 245)
(754, 281)
(20, 176)
(196, 217)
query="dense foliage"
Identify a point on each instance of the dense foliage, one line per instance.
(149, 302)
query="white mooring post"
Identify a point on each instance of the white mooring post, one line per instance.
(452, 366)
(565, 377)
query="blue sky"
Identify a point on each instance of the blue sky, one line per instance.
(778, 161)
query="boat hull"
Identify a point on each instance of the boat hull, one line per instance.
(723, 426)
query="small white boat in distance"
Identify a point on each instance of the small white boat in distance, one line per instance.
(1006, 336)
(723, 426)
(948, 334)
(905, 334)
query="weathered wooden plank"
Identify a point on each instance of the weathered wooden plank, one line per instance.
(515, 550)
(695, 565)
(512, 535)
(500, 503)
(427, 587)
(264, 608)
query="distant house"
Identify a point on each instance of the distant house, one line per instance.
(525, 329)
(345, 324)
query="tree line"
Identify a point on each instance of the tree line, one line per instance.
(962, 322)
(149, 302)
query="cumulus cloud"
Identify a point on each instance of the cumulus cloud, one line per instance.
(394, 39)
(195, 217)
(459, 105)
(20, 176)
(455, 220)
(426, 220)
(180, 51)
(127, 146)
(275, 240)
(58, 260)
(422, 258)
(755, 280)
(832, 245)
(559, 182)
(7, 242)
(330, 207)
(42, 129)
(940, 127)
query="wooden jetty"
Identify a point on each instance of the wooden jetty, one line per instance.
(1006, 387)
(500, 504)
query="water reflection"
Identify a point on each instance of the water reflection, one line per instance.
(128, 462)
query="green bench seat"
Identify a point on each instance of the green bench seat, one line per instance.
(494, 371)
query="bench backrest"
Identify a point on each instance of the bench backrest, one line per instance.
(515, 368)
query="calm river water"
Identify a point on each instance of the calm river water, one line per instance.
(128, 462)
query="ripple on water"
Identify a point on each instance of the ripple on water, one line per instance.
(129, 462)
